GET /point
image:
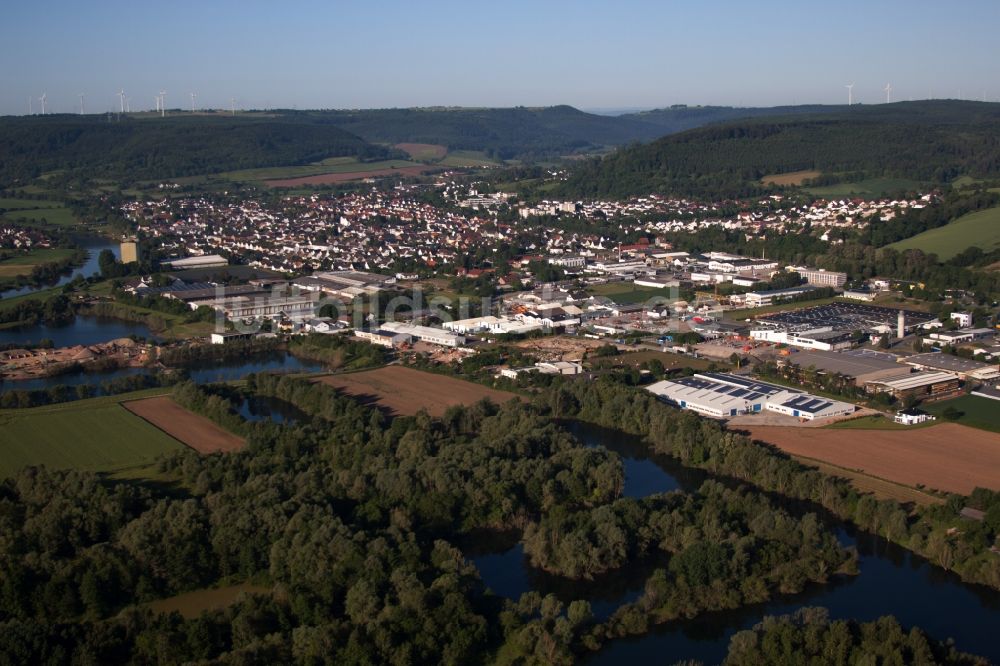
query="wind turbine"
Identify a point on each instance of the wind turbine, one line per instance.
(81, 96)
(850, 94)
(163, 103)
(888, 92)
(193, 95)
(121, 98)
(232, 105)
(128, 104)
(42, 100)
(31, 110)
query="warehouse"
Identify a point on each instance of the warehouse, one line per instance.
(204, 261)
(862, 367)
(435, 336)
(933, 385)
(963, 368)
(723, 395)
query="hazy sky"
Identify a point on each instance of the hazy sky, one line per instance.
(375, 53)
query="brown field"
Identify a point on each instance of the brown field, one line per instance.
(790, 178)
(946, 457)
(423, 151)
(401, 390)
(195, 431)
(333, 178)
(192, 604)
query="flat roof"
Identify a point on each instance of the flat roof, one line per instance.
(844, 363)
(947, 362)
(915, 380)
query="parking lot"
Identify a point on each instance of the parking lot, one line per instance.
(844, 316)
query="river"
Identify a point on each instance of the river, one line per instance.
(891, 581)
(94, 246)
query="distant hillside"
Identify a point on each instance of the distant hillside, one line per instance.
(683, 117)
(518, 132)
(927, 141)
(181, 145)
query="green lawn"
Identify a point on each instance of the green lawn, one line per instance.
(467, 158)
(625, 293)
(95, 435)
(872, 187)
(981, 229)
(977, 412)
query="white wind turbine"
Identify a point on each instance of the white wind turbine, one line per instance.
(31, 109)
(81, 96)
(232, 105)
(163, 103)
(850, 94)
(121, 99)
(888, 92)
(193, 95)
(128, 104)
(42, 100)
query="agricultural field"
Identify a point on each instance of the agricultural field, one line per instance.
(948, 457)
(23, 263)
(405, 391)
(791, 178)
(872, 187)
(467, 158)
(41, 213)
(396, 169)
(333, 165)
(197, 432)
(976, 412)
(95, 435)
(423, 152)
(981, 229)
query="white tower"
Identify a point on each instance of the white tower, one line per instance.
(901, 325)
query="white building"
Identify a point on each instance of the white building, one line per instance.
(723, 395)
(435, 336)
(964, 319)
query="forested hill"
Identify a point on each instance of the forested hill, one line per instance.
(518, 132)
(681, 117)
(928, 141)
(150, 147)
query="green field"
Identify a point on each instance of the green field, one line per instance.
(57, 216)
(977, 412)
(27, 204)
(872, 187)
(95, 435)
(22, 263)
(625, 293)
(467, 158)
(981, 229)
(332, 165)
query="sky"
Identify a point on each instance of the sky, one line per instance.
(396, 53)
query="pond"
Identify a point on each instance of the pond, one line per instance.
(891, 581)
(83, 330)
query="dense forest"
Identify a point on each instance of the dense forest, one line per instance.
(178, 145)
(810, 637)
(348, 525)
(932, 141)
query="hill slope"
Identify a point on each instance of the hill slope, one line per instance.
(183, 145)
(928, 141)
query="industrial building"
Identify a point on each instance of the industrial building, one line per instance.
(723, 395)
(382, 337)
(435, 336)
(760, 299)
(491, 324)
(204, 261)
(863, 366)
(931, 385)
(347, 284)
(962, 368)
(820, 277)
